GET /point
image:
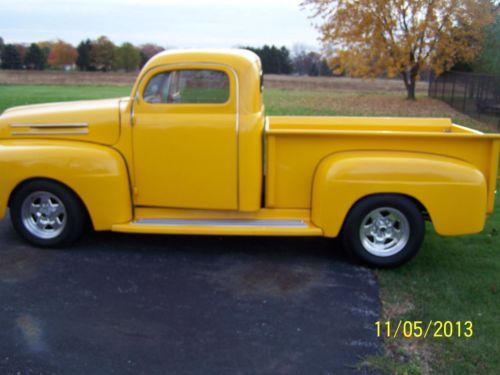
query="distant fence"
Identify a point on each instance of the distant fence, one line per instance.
(477, 95)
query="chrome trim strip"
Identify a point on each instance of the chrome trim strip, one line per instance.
(81, 132)
(53, 126)
(223, 223)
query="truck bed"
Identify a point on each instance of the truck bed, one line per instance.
(296, 145)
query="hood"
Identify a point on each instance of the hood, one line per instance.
(92, 120)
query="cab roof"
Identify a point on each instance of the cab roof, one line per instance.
(236, 58)
(246, 64)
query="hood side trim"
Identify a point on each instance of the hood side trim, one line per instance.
(53, 126)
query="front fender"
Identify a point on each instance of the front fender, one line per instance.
(453, 192)
(97, 174)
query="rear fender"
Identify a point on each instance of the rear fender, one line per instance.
(453, 192)
(97, 174)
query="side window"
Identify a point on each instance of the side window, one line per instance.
(188, 87)
(157, 89)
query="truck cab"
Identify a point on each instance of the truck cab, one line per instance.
(201, 116)
(191, 151)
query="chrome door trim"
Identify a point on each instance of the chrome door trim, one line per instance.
(50, 126)
(223, 222)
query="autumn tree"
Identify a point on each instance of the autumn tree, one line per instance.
(128, 57)
(147, 51)
(61, 54)
(103, 54)
(401, 37)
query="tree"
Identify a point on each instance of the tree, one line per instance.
(62, 54)
(489, 59)
(401, 37)
(147, 51)
(46, 47)
(83, 60)
(2, 45)
(103, 54)
(21, 50)
(274, 60)
(128, 57)
(35, 58)
(307, 62)
(11, 59)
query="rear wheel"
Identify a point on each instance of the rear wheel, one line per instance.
(47, 214)
(384, 230)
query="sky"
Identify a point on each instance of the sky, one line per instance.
(169, 23)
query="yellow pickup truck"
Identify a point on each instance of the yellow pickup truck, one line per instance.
(192, 152)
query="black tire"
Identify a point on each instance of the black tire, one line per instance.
(351, 238)
(75, 215)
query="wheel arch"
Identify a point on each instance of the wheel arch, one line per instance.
(96, 174)
(27, 181)
(420, 206)
(451, 192)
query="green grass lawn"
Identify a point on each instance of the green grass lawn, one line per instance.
(452, 279)
(14, 95)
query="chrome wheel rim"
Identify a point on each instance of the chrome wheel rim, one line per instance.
(44, 215)
(384, 231)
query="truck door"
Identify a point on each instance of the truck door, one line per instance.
(185, 128)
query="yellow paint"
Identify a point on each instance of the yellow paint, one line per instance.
(263, 214)
(101, 116)
(137, 160)
(97, 174)
(452, 191)
(204, 156)
(310, 231)
(430, 160)
(192, 146)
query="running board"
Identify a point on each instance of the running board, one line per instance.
(235, 227)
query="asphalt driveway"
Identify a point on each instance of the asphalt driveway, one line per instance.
(129, 304)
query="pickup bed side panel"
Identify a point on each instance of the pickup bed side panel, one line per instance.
(97, 174)
(453, 192)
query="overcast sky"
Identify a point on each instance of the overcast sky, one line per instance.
(170, 23)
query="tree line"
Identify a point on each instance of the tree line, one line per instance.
(103, 55)
(90, 55)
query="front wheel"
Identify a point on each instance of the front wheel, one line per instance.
(47, 214)
(384, 230)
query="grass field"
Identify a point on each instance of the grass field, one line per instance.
(452, 279)
(272, 81)
(12, 95)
